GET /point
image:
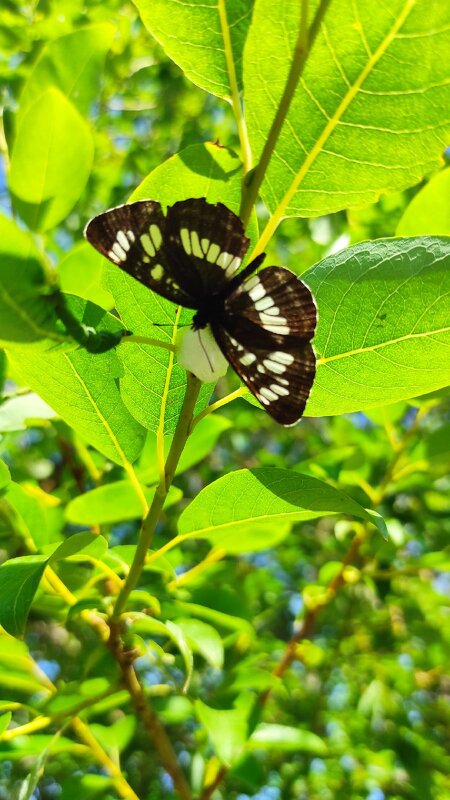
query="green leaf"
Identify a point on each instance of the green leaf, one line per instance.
(81, 272)
(72, 63)
(366, 117)
(30, 518)
(194, 35)
(49, 169)
(77, 544)
(228, 730)
(116, 736)
(235, 509)
(26, 316)
(200, 443)
(5, 719)
(153, 385)
(82, 388)
(5, 477)
(114, 502)
(155, 627)
(383, 324)
(429, 211)
(284, 738)
(19, 580)
(18, 413)
(203, 639)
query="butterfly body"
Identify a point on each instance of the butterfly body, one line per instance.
(262, 322)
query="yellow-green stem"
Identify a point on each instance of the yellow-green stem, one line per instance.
(149, 524)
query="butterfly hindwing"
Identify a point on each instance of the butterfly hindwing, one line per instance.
(280, 379)
(268, 322)
(133, 237)
(271, 307)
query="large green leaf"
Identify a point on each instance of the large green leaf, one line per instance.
(201, 36)
(51, 160)
(25, 313)
(81, 272)
(237, 507)
(228, 730)
(429, 211)
(72, 63)
(82, 388)
(383, 332)
(20, 577)
(153, 384)
(368, 115)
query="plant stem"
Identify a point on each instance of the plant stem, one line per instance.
(83, 732)
(153, 726)
(235, 98)
(305, 41)
(219, 403)
(149, 524)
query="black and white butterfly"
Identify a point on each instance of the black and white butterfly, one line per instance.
(262, 322)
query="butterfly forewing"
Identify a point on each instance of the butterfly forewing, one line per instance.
(134, 237)
(208, 242)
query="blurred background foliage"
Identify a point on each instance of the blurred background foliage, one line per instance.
(371, 678)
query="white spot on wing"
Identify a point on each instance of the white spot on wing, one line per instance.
(113, 256)
(250, 283)
(225, 259)
(272, 320)
(279, 390)
(213, 252)
(264, 303)
(268, 393)
(155, 235)
(196, 249)
(157, 272)
(131, 236)
(185, 240)
(248, 359)
(274, 366)
(147, 244)
(119, 251)
(122, 239)
(273, 312)
(283, 330)
(258, 291)
(282, 358)
(205, 244)
(233, 266)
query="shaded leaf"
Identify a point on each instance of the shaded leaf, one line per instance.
(286, 739)
(429, 211)
(228, 730)
(114, 502)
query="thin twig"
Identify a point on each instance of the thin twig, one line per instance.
(305, 41)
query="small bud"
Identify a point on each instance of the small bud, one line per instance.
(199, 353)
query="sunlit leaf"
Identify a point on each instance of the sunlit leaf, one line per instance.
(49, 169)
(230, 509)
(195, 36)
(429, 211)
(367, 116)
(287, 739)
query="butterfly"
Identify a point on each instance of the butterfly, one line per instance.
(262, 322)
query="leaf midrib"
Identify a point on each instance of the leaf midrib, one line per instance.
(375, 347)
